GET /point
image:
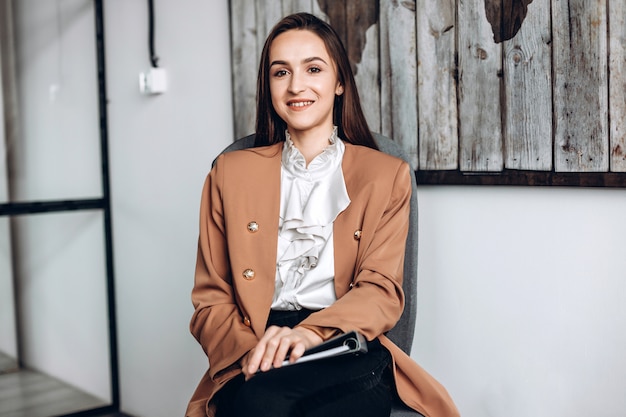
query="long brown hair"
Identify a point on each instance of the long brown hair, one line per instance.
(347, 113)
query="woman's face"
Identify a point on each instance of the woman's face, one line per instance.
(303, 82)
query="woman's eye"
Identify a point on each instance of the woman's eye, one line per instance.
(315, 70)
(280, 73)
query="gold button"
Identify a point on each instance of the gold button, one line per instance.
(357, 235)
(246, 322)
(253, 227)
(248, 274)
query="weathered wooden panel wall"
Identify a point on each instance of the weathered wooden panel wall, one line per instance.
(471, 85)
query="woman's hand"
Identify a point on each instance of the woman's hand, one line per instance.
(274, 346)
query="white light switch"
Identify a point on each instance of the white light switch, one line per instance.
(153, 82)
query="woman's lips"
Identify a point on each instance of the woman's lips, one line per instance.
(299, 104)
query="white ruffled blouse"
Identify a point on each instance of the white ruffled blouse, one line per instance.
(311, 199)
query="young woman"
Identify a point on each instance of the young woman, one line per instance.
(302, 238)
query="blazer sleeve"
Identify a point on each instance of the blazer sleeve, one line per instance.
(216, 322)
(375, 301)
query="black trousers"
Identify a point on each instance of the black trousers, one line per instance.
(342, 386)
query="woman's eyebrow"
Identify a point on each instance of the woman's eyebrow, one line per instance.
(278, 62)
(304, 61)
(313, 58)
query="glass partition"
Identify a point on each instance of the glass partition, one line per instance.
(57, 321)
(53, 146)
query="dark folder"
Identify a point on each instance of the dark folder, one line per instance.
(346, 343)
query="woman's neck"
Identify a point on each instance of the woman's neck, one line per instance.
(310, 144)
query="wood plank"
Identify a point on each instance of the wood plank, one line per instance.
(398, 61)
(527, 93)
(267, 14)
(336, 12)
(31, 394)
(244, 66)
(363, 46)
(287, 6)
(580, 83)
(480, 126)
(355, 23)
(359, 17)
(317, 11)
(437, 99)
(386, 122)
(617, 84)
(302, 6)
(506, 17)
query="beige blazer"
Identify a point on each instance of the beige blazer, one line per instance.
(236, 266)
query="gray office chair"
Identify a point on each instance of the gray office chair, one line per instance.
(402, 333)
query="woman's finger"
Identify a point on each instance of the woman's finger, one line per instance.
(296, 352)
(286, 344)
(263, 349)
(276, 344)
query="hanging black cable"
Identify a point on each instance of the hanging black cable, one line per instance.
(153, 58)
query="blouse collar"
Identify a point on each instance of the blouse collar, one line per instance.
(320, 166)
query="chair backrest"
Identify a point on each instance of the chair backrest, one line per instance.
(402, 333)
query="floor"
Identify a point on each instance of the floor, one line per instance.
(25, 393)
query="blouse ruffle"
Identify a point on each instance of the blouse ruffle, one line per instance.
(311, 199)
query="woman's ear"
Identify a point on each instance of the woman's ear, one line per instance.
(339, 90)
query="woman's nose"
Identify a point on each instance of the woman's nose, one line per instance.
(296, 83)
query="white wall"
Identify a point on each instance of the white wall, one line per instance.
(161, 149)
(521, 299)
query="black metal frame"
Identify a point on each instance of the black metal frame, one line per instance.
(104, 204)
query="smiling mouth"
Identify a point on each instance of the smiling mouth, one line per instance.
(300, 103)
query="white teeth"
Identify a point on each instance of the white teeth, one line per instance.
(301, 104)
